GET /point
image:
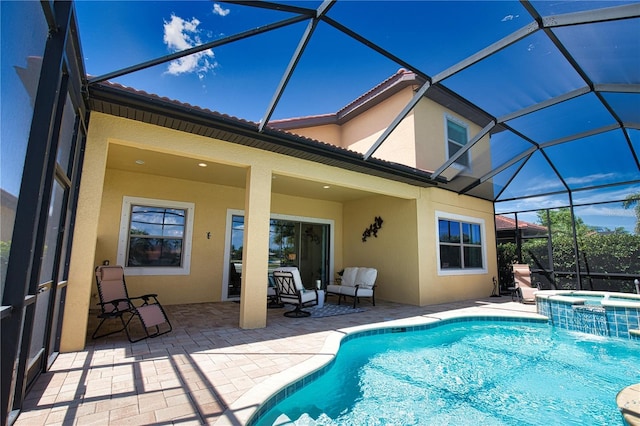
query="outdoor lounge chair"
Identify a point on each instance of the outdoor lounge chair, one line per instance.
(356, 283)
(116, 304)
(290, 291)
(522, 283)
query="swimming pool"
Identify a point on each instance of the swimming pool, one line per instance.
(464, 372)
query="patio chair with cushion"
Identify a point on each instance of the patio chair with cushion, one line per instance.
(357, 282)
(290, 291)
(116, 304)
(522, 283)
(272, 294)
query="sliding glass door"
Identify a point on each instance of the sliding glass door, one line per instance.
(301, 243)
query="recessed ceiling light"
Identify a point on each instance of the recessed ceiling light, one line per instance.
(140, 162)
(326, 187)
(202, 164)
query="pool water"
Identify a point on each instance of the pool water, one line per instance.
(468, 373)
(597, 300)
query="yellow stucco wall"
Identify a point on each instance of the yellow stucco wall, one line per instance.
(361, 132)
(81, 270)
(329, 133)
(418, 141)
(403, 251)
(436, 288)
(393, 253)
(430, 136)
(204, 284)
(429, 127)
(94, 239)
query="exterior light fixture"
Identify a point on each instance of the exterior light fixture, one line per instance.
(326, 187)
(202, 164)
(140, 162)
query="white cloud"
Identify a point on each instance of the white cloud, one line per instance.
(605, 210)
(510, 18)
(218, 10)
(589, 179)
(180, 34)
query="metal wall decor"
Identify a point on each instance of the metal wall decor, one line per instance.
(372, 229)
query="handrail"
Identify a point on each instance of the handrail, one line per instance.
(611, 275)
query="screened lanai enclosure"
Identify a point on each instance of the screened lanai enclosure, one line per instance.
(554, 86)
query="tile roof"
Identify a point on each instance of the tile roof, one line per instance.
(504, 223)
(401, 79)
(124, 101)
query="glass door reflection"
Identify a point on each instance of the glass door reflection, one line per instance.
(304, 245)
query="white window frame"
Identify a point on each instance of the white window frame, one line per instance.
(456, 165)
(483, 234)
(125, 225)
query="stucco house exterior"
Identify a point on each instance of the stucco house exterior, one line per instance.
(145, 151)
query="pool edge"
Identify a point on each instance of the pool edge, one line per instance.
(244, 410)
(628, 401)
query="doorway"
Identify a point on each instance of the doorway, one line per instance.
(293, 241)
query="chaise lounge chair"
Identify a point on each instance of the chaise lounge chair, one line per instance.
(290, 291)
(115, 303)
(522, 283)
(356, 283)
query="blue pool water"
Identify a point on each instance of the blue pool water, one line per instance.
(597, 300)
(468, 373)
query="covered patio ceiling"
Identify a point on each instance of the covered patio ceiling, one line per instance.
(132, 159)
(559, 82)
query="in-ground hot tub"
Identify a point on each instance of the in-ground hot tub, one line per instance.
(594, 312)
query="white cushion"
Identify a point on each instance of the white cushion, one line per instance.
(349, 276)
(296, 275)
(351, 291)
(334, 288)
(307, 296)
(366, 278)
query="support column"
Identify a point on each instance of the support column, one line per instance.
(255, 253)
(82, 261)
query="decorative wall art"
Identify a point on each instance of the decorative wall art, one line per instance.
(372, 229)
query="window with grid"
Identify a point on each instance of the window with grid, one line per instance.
(155, 236)
(457, 137)
(461, 245)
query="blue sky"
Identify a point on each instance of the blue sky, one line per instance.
(240, 79)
